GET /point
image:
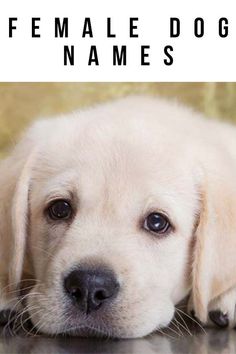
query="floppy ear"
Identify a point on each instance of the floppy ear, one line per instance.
(15, 174)
(214, 263)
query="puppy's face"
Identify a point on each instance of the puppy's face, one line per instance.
(112, 213)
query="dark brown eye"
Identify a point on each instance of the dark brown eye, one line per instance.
(157, 222)
(60, 209)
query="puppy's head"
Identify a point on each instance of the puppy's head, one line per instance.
(119, 212)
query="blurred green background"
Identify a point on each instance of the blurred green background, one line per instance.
(20, 103)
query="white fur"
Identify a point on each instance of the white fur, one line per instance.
(119, 161)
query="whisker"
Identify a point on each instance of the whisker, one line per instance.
(165, 334)
(29, 332)
(193, 319)
(173, 330)
(20, 317)
(23, 321)
(19, 290)
(184, 326)
(16, 283)
(176, 325)
(14, 308)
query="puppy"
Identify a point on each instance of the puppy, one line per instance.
(117, 213)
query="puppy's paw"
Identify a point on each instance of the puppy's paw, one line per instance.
(221, 311)
(219, 318)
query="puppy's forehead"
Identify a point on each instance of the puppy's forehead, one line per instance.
(123, 163)
(127, 144)
(108, 156)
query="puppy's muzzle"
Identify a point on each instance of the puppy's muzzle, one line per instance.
(91, 288)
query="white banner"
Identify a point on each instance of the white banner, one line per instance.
(105, 40)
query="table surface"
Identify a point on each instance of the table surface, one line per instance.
(211, 341)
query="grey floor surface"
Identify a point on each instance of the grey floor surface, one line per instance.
(212, 341)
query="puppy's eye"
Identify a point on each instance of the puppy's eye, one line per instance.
(157, 222)
(59, 210)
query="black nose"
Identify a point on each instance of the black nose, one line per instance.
(91, 288)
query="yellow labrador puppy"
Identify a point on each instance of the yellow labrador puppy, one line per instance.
(118, 212)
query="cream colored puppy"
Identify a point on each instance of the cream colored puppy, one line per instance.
(118, 212)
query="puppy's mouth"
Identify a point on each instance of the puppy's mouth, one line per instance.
(96, 324)
(17, 323)
(88, 331)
